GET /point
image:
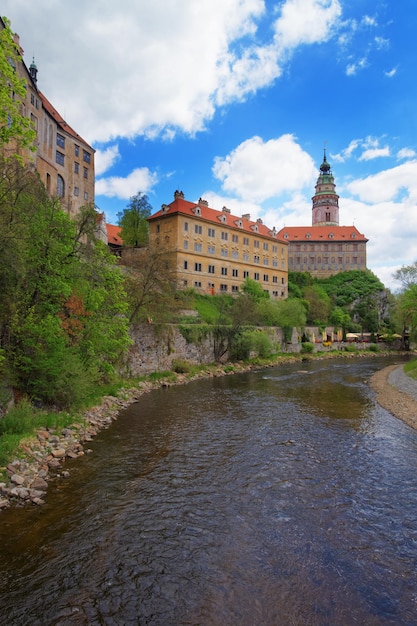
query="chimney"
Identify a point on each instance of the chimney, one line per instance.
(225, 209)
(246, 216)
(16, 39)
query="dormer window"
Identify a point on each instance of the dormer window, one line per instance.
(308, 235)
(286, 236)
(353, 235)
(197, 210)
(331, 235)
(223, 219)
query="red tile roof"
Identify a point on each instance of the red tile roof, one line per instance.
(60, 120)
(321, 233)
(113, 235)
(200, 209)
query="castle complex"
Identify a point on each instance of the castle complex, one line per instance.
(214, 251)
(211, 251)
(325, 248)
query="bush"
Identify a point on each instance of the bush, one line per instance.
(307, 347)
(180, 366)
(373, 347)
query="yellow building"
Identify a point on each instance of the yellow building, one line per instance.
(63, 159)
(214, 251)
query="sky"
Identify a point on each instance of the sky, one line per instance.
(234, 101)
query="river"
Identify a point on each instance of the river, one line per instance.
(281, 497)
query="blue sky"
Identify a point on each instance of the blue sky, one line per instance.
(234, 100)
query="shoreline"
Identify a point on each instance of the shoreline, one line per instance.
(44, 455)
(398, 403)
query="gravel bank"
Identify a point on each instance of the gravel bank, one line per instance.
(397, 393)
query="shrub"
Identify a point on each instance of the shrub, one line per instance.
(307, 347)
(180, 366)
(373, 347)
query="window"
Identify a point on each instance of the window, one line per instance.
(186, 265)
(245, 274)
(211, 269)
(158, 228)
(85, 172)
(245, 241)
(256, 259)
(266, 278)
(60, 140)
(256, 276)
(85, 195)
(266, 261)
(197, 283)
(186, 226)
(198, 229)
(275, 279)
(256, 244)
(266, 246)
(246, 257)
(223, 287)
(235, 254)
(235, 288)
(225, 252)
(76, 191)
(224, 271)
(76, 150)
(211, 232)
(235, 239)
(198, 247)
(274, 263)
(59, 158)
(275, 249)
(197, 267)
(86, 156)
(60, 187)
(224, 236)
(185, 245)
(235, 273)
(76, 167)
(211, 249)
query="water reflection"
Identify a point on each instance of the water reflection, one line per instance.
(278, 497)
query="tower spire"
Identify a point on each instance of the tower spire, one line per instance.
(325, 201)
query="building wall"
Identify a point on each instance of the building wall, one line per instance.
(325, 259)
(59, 150)
(216, 258)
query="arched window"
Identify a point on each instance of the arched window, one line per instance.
(60, 187)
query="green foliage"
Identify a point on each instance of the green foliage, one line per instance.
(133, 221)
(307, 347)
(254, 289)
(410, 368)
(195, 333)
(250, 342)
(63, 326)
(407, 275)
(347, 287)
(318, 304)
(214, 309)
(180, 366)
(13, 125)
(373, 347)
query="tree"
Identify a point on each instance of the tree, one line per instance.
(63, 325)
(133, 221)
(407, 275)
(149, 281)
(291, 314)
(254, 289)
(318, 304)
(13, 125)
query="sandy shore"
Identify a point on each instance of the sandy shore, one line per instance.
(400, 404)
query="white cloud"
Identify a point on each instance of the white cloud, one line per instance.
(406, 153)
(306, 21)
(391, 73)
(141, 179)
(388, 185)
(374, 153)
(258, 170)
(156, 67)
(105, 159)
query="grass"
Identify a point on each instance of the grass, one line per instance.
(410, 368)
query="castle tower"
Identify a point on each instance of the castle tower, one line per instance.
(325, 201)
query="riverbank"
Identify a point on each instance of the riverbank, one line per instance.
(397, 393)
(44, 456)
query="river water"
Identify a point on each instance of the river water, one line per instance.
(281, 497)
